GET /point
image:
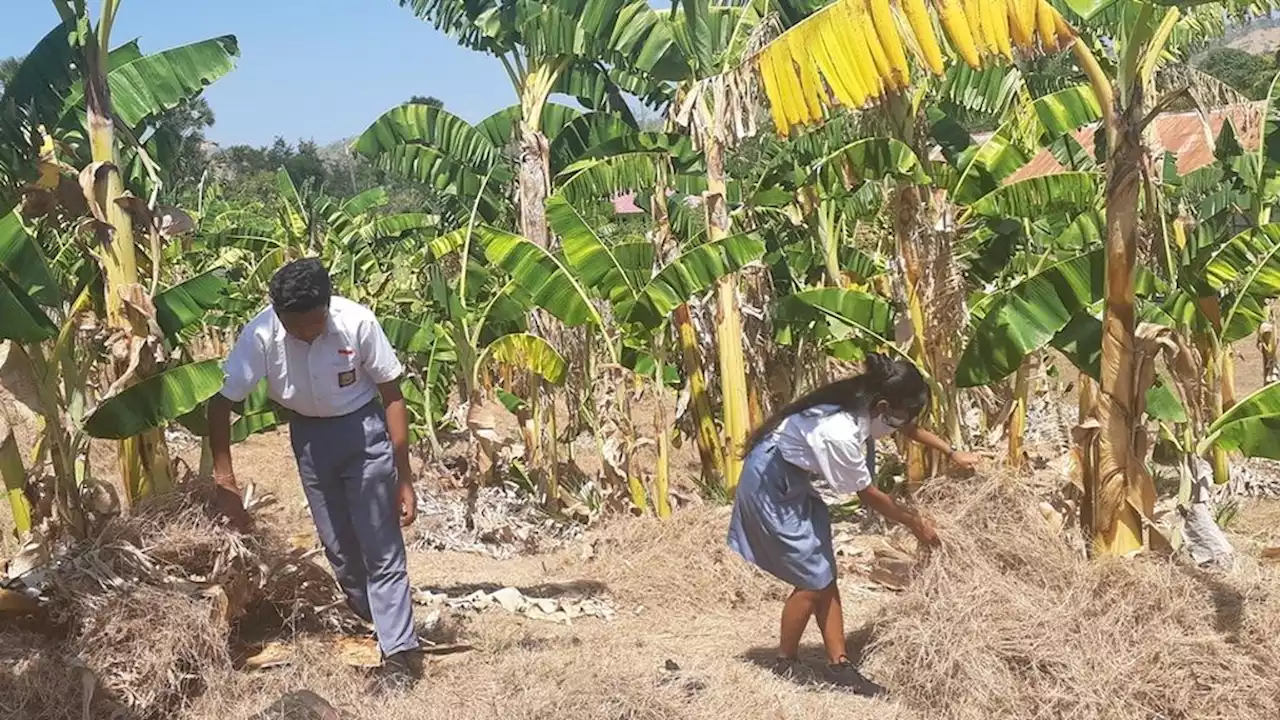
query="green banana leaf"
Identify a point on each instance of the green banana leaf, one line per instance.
(500, 127)
(988, 91)
(594, 262)
(986, 167)
(869, 159)
(541, 274)
(35, 92)
(527, 352)
(155, 401)
(364, 202)
(583, 133)
(679, 148)
(688, 275)
(21, 319)
(21, 257)
(1163, 403)
(1250, 427)
(463, 149)
(152, 84)
(407, 337)
(186, 303)
(1248, 263)
(1066, 111)
(596, 179)
(1080, 340)
(256, 414)
(1027, 316)
(393, 226)
(1070, 192)
(859, 312)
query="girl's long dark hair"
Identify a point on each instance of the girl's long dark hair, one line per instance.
(898, 382)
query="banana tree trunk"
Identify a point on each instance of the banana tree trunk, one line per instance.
(535, 171)
(710, 449)
(1126, 493)
(144, 459)
(662, 431)
(710, 446)
(733, 375)
(907, 225)
(15, 477)
(1267, 349)
(1018, 417)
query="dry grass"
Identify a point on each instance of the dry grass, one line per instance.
(148, 607)
(1008, 621)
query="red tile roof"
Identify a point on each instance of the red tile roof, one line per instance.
(1182, 134)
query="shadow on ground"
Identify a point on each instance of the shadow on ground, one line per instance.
(574, 588)
(812, 670)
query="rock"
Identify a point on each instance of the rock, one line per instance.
(300, 705)
(510, 599)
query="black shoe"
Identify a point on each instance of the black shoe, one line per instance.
(786, 668)
(844, 674)
(398, 673)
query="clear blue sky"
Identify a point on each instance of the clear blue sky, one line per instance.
(309, 69)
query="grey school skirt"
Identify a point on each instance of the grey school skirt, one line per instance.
(780, 524)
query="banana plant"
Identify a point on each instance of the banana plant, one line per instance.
(42, 107)
(588, 50)
(44, 302)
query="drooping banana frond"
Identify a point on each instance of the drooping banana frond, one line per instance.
(1027, 316)
(1046, 119)
(851, 311)
(852, 52)
(690, 274)
(433, 128)
(869, 159)
(527, 352)
(1069, 192)
(595, 263)
(589, 181)
(584, 133)
(543, 275)
(151, 84)
(1250, 427)
(500, 127)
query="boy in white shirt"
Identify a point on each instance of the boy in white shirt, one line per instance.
(327, 361)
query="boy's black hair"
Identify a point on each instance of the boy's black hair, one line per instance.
(898, 382)
(301, 286)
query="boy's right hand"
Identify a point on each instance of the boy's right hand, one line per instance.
(230, 504)
(925, 533)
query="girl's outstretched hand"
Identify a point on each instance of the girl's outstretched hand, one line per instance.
(966, 460)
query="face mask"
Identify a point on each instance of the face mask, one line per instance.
(894, 421)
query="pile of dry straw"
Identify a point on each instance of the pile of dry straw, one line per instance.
(149, 608)
(1009, 621)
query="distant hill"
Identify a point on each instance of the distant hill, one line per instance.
(1261, 37)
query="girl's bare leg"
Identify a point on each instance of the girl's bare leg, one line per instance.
(830, 616)
(795, 617)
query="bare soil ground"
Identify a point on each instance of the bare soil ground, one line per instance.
(692, 638)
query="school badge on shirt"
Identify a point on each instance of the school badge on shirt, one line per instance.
(346, 378)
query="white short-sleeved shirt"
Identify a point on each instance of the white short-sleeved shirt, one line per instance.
(336, 374)
(832, 444)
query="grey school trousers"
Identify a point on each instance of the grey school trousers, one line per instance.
(349, 476)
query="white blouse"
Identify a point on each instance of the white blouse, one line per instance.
(832, 444)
